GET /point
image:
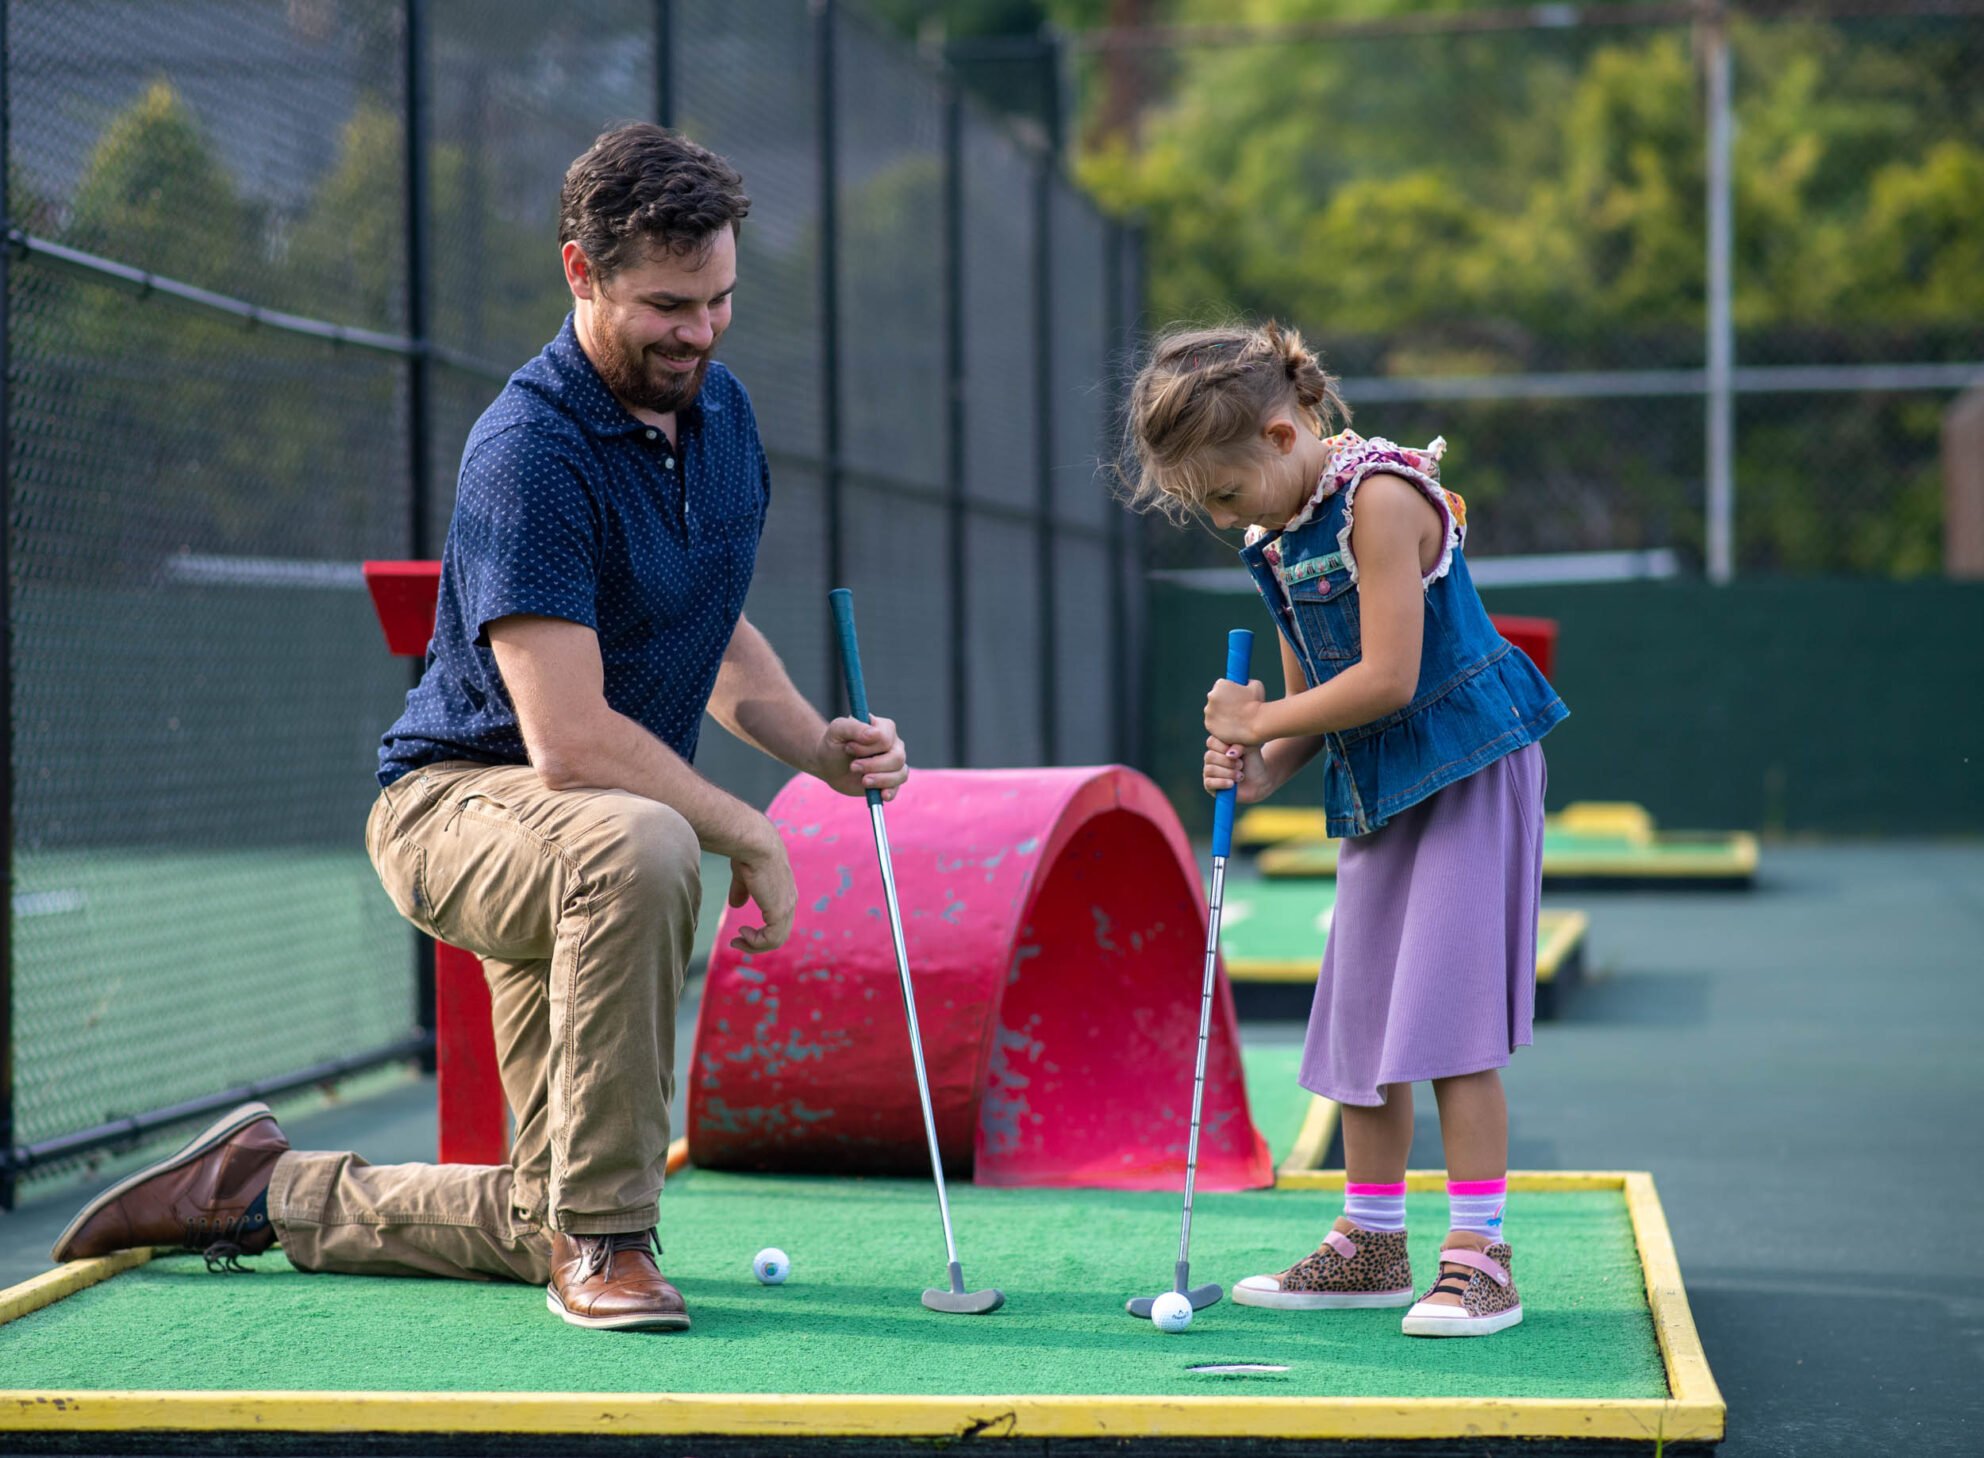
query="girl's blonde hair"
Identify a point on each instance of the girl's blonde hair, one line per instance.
(1200, 401)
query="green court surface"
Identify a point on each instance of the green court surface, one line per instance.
(849, 1321)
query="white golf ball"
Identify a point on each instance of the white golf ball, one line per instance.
(771, 1266)
(1171, 1312)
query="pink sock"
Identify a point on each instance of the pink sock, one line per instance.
(1476, 1205)
(1375, 1207)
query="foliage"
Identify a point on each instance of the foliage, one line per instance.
(1536, 201)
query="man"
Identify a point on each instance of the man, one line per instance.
(537, 804)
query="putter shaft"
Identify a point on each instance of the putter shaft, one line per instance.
(1183, 1277)
(915, 1036)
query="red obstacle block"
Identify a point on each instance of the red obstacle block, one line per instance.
(474, 1120)
(1056, 932)
(403, 594)
(1535, 636)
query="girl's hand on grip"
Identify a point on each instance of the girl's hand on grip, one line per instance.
(1231, 711)
(1232, 767)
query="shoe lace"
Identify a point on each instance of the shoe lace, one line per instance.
(595, 1251)
(1454, 1281)
(219, 1241)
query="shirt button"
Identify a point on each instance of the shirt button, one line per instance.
(669, 463)
(652, 433)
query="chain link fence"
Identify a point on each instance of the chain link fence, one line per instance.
(268, 261)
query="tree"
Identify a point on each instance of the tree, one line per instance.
(1536, 201)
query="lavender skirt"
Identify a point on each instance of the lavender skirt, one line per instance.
(1430, 968)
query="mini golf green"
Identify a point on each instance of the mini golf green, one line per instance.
(1272, 935)
(1578, 856)
(1278, 1103)
(848, 1321)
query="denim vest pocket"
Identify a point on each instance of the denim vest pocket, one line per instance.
(1327, 617)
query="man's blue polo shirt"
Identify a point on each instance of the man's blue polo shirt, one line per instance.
(568, 507)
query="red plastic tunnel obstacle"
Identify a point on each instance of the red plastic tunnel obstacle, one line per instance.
(1056, 932)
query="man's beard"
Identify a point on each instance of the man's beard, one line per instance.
(629, 375)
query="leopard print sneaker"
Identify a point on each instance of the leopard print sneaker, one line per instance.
(1349, 1269)
(1487, 1291)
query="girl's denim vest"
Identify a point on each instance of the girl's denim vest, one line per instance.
(1477, 699)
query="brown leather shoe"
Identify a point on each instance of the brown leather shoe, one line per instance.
(611, 1282)
(196, 1199)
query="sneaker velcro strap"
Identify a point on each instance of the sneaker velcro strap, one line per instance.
(1342, 1244)
(1461, 1256)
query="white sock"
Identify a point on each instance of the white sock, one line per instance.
(1375, 1207)
(1476, 1205)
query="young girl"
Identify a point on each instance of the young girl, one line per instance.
(1429, 722)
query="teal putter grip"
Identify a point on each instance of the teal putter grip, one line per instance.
(842, 602)
(1239, 660)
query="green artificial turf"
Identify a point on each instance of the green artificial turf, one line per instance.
(849, 1320)
(1278, 1103)
(1562, 850)
(1275, 921)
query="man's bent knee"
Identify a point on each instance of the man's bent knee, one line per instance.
(655, 855)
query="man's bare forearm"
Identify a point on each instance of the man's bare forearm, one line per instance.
(616, 753)
(755, 700)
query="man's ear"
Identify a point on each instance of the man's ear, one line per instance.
(578, 271)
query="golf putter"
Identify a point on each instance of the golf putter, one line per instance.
(957, 1301)
(1239, 654)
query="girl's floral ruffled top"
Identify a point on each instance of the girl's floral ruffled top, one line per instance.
(1352, 458)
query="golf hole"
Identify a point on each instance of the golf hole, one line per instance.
(1236, 1369)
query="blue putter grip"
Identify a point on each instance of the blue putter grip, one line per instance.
(842, 602)
(1239, 662)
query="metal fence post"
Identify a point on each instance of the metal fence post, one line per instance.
(1136, 268)
(6, 640)
(1114, 358)
(419, 434)
(823, 69)
(1721, 499)
(954, 409)
(664, 62)
(1043, 401)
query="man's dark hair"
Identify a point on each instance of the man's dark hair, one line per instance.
(641, 189)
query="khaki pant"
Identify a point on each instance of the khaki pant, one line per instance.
(582, 907)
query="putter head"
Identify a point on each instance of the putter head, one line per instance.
(965, 1303)
(1200, 1296)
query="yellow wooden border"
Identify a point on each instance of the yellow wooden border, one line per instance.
(1272, 824)
(1558, 935)
(65, 1280)
(1312, 1142)
(1737, 859)
(1689, 1380)
(1298, 858)
(1693, 1412)
(1561, 931)
(791, 1417)
(1429, 1181)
